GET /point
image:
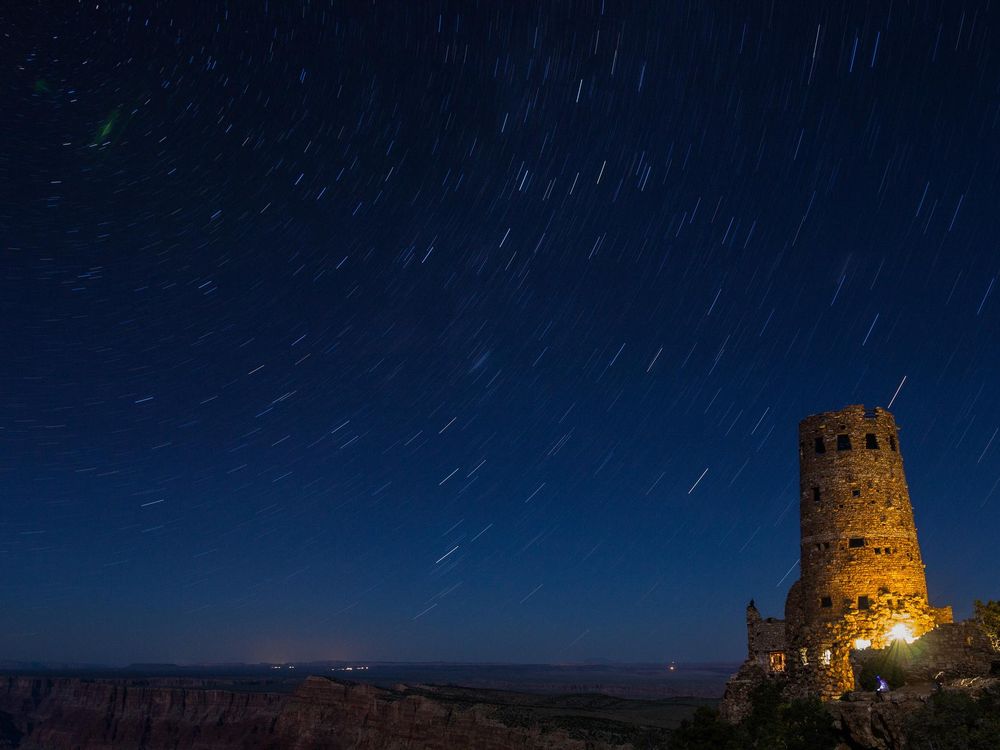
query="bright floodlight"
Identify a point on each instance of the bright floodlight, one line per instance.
(901, 632)
(861, 643)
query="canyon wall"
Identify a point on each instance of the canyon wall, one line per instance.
(98, 714)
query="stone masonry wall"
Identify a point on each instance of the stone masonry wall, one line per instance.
(952, 650)
(862, 497)
(861, 568)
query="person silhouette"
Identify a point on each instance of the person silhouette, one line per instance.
(881, 687)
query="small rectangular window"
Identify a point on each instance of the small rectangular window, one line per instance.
(892, 443)
(820, 446)
(863, 602)
(856, 541)
(855, 493)
(878, 550)
(777, 661)
(826, 601)
(843, 442)
(888, 551)
(816, 494)
(871, 442)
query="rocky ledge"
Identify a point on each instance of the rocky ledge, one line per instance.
(864, 721)
(63, 713)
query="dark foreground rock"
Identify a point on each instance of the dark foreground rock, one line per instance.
(58, 713)
(961, 714)
(867, 723)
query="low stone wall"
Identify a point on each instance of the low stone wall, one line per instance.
(955, 649)
(735, 705)
(948, 652)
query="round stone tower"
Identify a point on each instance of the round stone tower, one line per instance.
(862, 578)
(858, 534)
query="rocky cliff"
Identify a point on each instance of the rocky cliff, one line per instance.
(93, 714)
(866, 722)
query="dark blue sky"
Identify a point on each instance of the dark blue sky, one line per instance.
(405, 330)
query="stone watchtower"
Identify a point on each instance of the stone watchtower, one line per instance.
(862, 582)
(862, 578)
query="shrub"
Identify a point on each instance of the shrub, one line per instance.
(956, 721)
(705, 730)
(987, 615)
(773, 723)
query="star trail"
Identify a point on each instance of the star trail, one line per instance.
(477, 331)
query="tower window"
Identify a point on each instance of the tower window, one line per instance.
(777, 661)
(856, 541)
(888, 551)
(871, 442)
(816, 494)
(863, 602)
(878, 550)
(826, 601)
(843, 442)
(892, 443)
(820, 446)
(827, 655)
(855, 493)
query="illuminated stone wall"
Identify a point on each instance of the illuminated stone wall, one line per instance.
(861, 569)
(948, 652)
(766, 660)
(765, 638)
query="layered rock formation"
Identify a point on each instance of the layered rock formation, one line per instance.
(82, 714)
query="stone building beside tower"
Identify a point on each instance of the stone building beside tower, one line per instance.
(862, 583)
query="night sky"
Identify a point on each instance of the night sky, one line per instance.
(477, 331)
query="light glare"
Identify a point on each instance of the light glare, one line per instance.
(901, 632)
